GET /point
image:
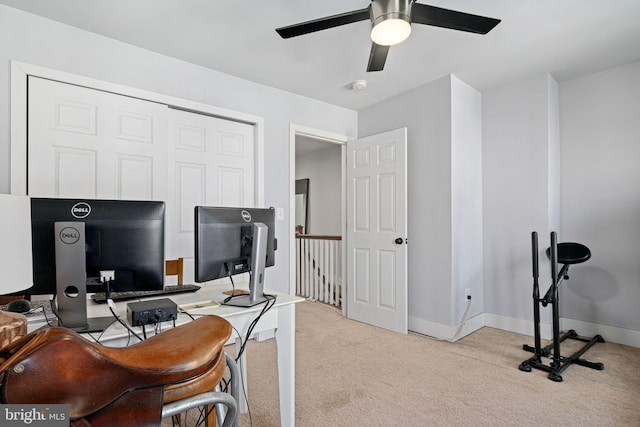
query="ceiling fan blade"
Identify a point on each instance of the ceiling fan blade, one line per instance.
(323, 23)
(377, 57)
(446, 18)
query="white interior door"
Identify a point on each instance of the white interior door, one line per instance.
(377, 230)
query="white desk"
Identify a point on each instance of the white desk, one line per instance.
(280, 319)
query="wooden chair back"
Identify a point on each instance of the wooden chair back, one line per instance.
(174, 267)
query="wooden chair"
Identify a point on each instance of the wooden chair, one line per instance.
(174, 267)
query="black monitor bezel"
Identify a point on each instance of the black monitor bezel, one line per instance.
(209, 265)
(46, 211)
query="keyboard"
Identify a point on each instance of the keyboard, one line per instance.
(100, 297)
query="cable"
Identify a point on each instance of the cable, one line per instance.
(462, 323)
(122, 322)
(270, 302)
(44, 311)
(244, 393)
(112, 306)
(233, 287)
(184, 312)
(54, 308)
(204, 413)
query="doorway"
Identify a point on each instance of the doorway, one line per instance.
(383, 156)
(314, 142)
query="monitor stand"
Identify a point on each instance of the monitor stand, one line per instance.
(94, 324)
(258, 259)
(71, 280)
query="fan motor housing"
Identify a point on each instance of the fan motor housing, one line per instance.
(390, 9)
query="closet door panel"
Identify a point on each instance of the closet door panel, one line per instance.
(86, 143)
(213, 163)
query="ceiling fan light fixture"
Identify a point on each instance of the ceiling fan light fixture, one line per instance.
(391, 22)
(390, 30)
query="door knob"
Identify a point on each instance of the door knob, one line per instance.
(398, 241)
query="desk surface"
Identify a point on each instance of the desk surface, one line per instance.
(281, 319)
(210, 292)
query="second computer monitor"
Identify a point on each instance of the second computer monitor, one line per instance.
(225, 244)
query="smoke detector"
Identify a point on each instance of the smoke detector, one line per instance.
(359, 85)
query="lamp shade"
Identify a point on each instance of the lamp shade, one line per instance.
(16, 269)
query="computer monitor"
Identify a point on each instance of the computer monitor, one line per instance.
(231, 241)
(120, 235)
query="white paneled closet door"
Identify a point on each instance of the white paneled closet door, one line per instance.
(86, 143)
(212, 163)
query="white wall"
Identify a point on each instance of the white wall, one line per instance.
(564, 157)
(444, 197)
(554, 158)
(600, 131)
(324, 170)
(466, 199)
(34, 40)
(518, 145)
(426, 114)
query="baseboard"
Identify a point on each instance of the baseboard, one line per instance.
(445, 332)
(609, 333)
(519, 326)
(614, 334)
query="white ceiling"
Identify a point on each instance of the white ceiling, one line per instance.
(567, 38)
(306, 145)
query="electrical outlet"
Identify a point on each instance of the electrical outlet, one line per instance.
(467, 294)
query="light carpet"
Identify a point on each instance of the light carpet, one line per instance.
(352, 374)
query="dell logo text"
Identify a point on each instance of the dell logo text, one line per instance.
(69, 235)
(81, 210)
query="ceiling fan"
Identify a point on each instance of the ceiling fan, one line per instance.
(391, 24)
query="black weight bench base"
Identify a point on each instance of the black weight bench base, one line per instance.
(565, 362)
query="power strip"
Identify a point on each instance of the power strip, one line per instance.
(151, 312)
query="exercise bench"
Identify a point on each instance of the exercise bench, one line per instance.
(565, 254)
